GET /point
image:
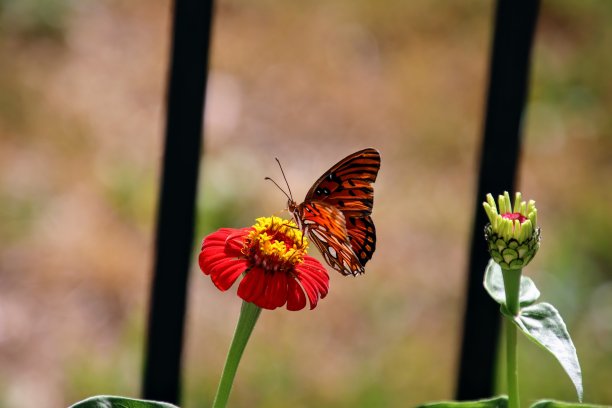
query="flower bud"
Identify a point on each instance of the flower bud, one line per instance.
(512, 233)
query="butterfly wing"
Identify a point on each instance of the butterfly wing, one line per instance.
(326, 226)
(362, 237)
(348, 185)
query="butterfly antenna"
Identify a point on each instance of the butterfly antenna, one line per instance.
(279, 187)
(286, 182)
(290, 195)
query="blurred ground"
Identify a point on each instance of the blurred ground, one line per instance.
(81, 123)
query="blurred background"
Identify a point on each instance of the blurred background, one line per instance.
(82, 88)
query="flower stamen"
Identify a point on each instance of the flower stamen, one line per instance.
(275, 244)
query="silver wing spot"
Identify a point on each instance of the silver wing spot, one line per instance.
(317, 234)
(332, 252)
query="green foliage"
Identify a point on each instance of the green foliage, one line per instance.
(540, 322)
(34, 18)
(543, 324)
(106, 401)
(561, 404)
(494, 284)
(495, 402)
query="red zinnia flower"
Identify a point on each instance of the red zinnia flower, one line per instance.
(272, 256)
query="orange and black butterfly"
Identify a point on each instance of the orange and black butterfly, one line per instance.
(336, 212)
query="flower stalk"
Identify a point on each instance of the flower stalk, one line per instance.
(512, 280)
(249, 313)
(270, 260)
(512, 365)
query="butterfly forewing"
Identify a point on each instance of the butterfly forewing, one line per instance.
(348, 184)
(326, 227)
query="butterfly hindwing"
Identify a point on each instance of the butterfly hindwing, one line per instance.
(362, 236)
(326, 226)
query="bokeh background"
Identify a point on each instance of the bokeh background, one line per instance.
(82, 86)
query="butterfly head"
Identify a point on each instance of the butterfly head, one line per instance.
(291, 205)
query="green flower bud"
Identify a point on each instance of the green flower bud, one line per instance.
(512, 234)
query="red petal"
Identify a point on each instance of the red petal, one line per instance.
(209, 256)
(311, 292)
(276, 292)
(210, 259)
(211, 253)
(316, 272)
(252, 286)
(222, 270)
(214, 261)
(226, 272)
(235, 241)
(296, 300)
(262, 299)
(314, 279)
(217, 237)
(213, 245)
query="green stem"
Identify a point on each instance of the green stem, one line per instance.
(512, 282)
(511, 365)
(512, 285)
(249, 313)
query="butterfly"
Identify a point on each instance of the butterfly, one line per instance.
(336, 212)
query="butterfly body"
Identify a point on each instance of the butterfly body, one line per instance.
(336, 212)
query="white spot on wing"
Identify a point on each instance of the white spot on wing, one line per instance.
(332, 252)
(317, 234)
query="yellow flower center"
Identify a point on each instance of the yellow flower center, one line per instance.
(275, 244)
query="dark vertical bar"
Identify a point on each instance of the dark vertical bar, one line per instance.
(515, 23)
(176, 212)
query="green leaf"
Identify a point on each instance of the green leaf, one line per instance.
(562, 404)
(494, 284)
(543, 324)
(528, 293)
(495, 402)
(109, 401)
